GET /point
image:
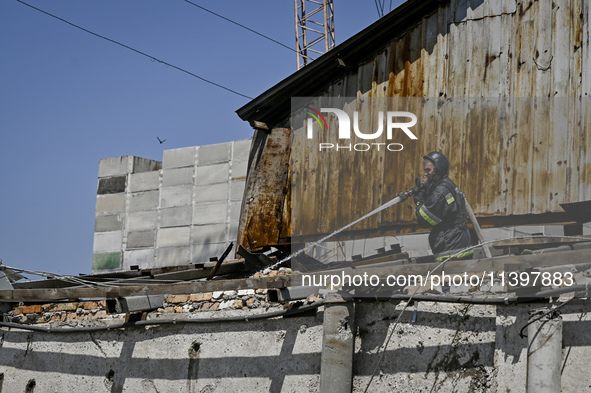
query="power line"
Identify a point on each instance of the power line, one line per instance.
(380, 6)
(137, 51)
(238, 24)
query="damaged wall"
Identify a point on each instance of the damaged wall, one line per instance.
(448, 347)
(469, 67)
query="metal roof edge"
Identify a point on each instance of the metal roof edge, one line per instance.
(274, 104)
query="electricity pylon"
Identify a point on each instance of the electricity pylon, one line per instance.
(314, 29)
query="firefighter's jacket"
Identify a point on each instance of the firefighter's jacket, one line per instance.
(441, 207)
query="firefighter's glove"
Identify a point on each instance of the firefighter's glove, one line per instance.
(418, 198)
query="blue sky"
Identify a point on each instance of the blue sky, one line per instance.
(69, 99)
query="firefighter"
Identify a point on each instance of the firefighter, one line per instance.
(441, 206)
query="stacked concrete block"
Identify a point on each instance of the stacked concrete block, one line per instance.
(209, 235)
(240, 154)
(112, 213)
(176, 207)
(142, 198)
(183, 210)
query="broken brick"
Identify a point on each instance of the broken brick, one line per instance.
(209, 306)
(178, 298)
(35, 309)
(251, 301)
(90, 305)
(102, 314)
(60, 307)
(201, 297)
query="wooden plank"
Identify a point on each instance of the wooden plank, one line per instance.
(585, 56)
(495, 264)
(219, 262)
(226, 267)
(256, 148)
(266, 189)
(539, 242)
(564, 258)
(148, 289)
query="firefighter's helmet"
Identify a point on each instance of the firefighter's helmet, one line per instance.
(439, 160)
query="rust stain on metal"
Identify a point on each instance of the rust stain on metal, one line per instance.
(266, 192)
(517, 159)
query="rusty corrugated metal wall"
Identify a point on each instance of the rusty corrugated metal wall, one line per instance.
(512, 156)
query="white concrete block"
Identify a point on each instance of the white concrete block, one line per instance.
(115, 166)
(177, 158)
(210, 213)
(178, 177)
(144, 200)
(241, 150)
(107, 242)
(233, 231)
(176, 196)
(144, 181)
(106, 261)
(140, 239)
(215, 233)
(144, 258)
(210, 174)
(111, 203)
(172, 256)
(169, 237)
(235, 211)
(554, 230)
(497, 233)
(211, 154)
(142, 220)
(176, 216)
(212, 192)
(140, 164)
(203, 252)
(415, 245)
(239, 170)
(108, 223)
(237, 190)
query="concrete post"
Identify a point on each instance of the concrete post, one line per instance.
(338, 345)
(544, 355)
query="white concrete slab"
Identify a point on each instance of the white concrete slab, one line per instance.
(177, 158)
(210, 174)
(168, 237)
(212, 154)
(210, 213)
(176, 196)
